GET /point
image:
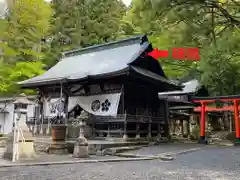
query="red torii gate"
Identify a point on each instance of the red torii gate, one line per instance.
(204, 108)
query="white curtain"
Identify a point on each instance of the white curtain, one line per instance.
(72, 102)
(101, 105)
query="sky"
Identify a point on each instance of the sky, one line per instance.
(127, 2)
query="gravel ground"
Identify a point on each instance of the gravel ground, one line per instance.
(207, 164)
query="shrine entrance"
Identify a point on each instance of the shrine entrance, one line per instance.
(204, 108)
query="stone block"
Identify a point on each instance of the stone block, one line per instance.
(80, 148)
(26, 151)
(57, 148)
(25, 148)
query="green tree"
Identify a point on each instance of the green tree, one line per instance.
(12, 73)
(81, 23)
(27, 22)
(21, 33)
(208, 25)
(221, 64)
(163, 32)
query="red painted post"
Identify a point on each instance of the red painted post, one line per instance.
(202, 139)
(237, 124)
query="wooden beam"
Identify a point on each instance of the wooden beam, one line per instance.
(211, 101)
(204, 101)
(227, 98)
(77, 90)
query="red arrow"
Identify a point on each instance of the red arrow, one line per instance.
(156, 54)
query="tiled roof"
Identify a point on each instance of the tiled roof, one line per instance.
(104, 60)
(189, 87)
(92, 61)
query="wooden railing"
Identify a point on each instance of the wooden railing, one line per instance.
(120, 125)
(129, 118)
(118, 118)
(125, 124)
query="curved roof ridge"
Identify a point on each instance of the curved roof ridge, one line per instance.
(127, 41)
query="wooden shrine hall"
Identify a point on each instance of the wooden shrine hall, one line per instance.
(114, 83)
(181, 107)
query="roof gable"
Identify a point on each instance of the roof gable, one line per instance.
(150, 64)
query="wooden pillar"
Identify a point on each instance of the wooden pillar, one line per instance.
(185, 127)
(159, 130)
(43, 109)
(174, 122)
(123, 99)
(125, 136)
(137, 131)
(181, 126)
(230, 122)
(166, 127)
(202, 139)
(108, 134)
(149, 128)
(41, 113)
(66, 100)
(36, 119)
(237, 124)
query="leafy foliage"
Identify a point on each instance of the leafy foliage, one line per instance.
(212, 26)
(21, 33)
(81, 23)
(12, 73)
(32, 36)
(31, 33)
(221, 65)
(24, 29)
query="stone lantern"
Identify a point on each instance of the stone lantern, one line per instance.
(20, 142)
(81, 144)
(21, 115)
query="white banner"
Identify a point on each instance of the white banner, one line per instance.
(72, 102)
(100, 105)
(53, 107)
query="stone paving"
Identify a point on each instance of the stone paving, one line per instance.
(3, 161)
(216, 163)
(145, 151)
(165, 148)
